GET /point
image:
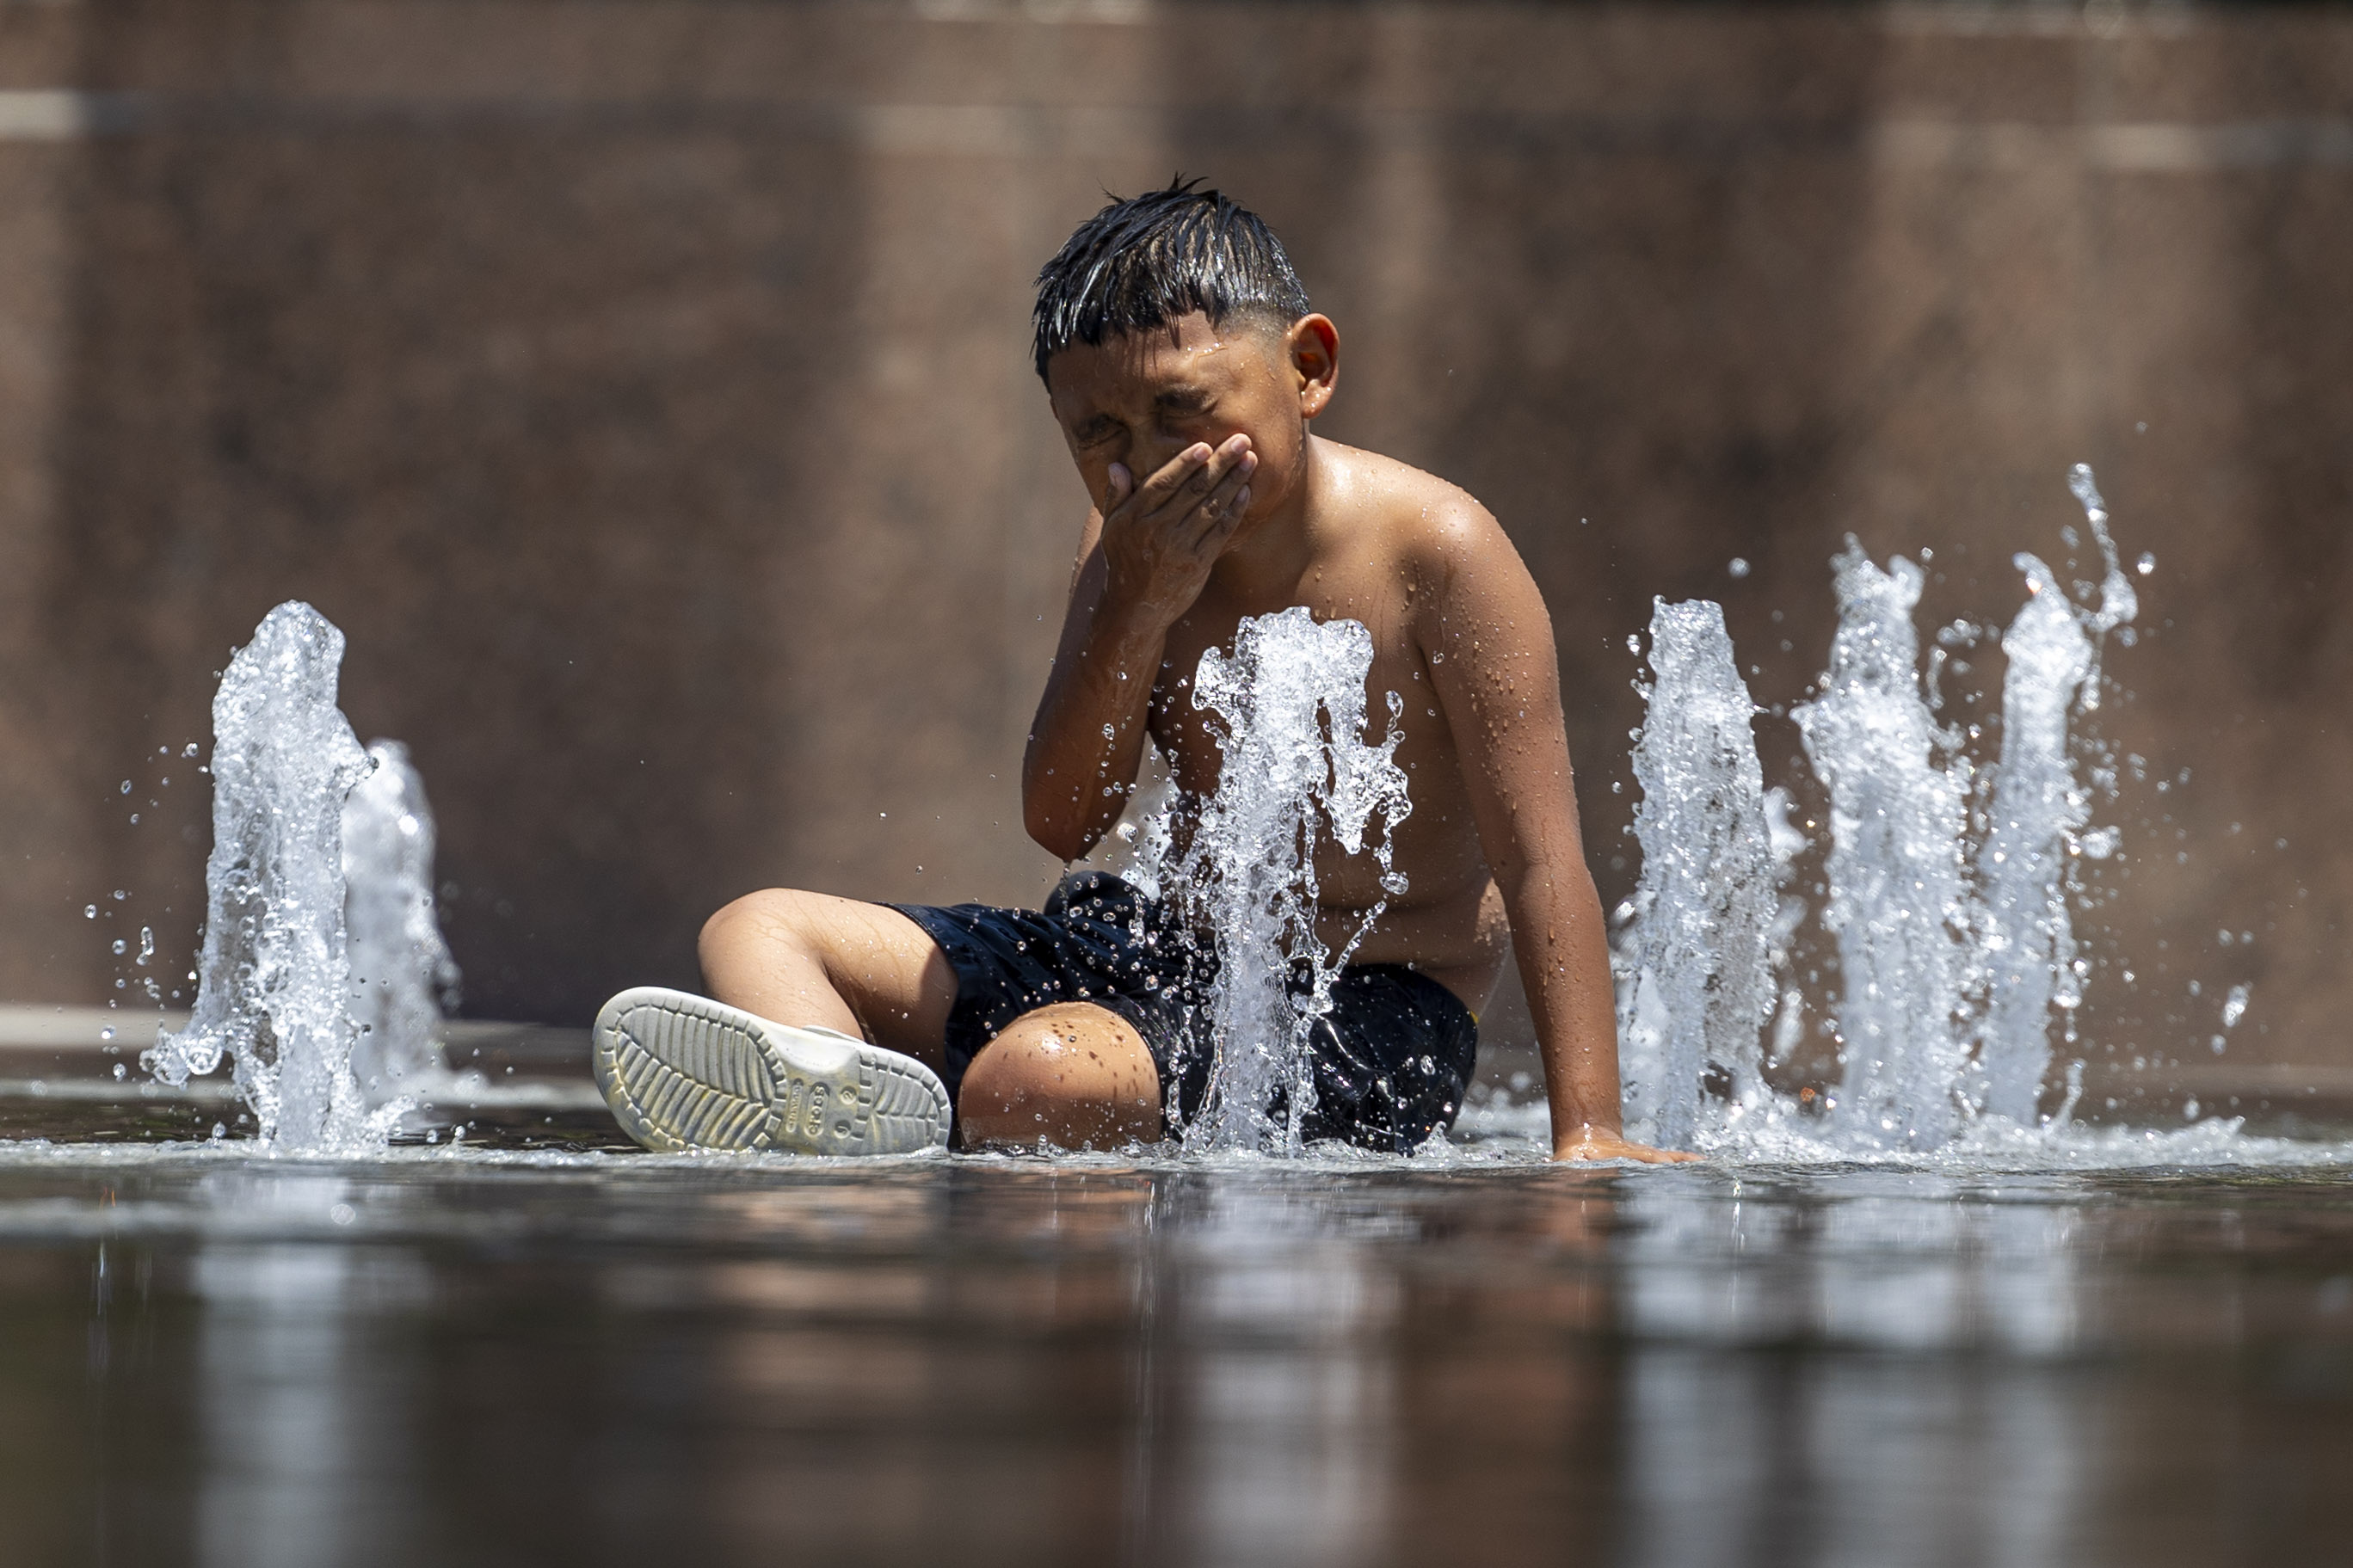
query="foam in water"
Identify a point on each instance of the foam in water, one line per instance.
(1896, 897)
(403, 977)
(1698, 984)
(1288, 710)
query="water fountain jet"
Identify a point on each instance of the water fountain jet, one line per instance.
(1288, 707)
(1697, 981)
(403, 980)
(275, 981)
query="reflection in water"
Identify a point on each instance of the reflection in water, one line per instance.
(303, 1434)
(1901, 1457)
(1089, 1362)
(1286, 1379)
(280, 1444)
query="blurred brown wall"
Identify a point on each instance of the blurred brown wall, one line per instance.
(642, 386)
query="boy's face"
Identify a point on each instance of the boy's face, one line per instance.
(1138, 400)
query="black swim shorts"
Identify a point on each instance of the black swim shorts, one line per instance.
(1392, 1058)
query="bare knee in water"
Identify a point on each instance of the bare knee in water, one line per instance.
(1071, 1076)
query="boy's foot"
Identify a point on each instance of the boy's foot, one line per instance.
(686, 1072)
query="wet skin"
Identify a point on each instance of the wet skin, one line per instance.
(1241, 511)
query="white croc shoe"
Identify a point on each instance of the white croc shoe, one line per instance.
(685, 1072)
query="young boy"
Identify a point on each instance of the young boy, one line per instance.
(1185, 367)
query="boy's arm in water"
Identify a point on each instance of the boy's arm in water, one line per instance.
(1488, 639)
(1143, 559)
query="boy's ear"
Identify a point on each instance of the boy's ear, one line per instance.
(1313, 344)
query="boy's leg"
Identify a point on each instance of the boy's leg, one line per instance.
(811, 959)
(1074, 1076)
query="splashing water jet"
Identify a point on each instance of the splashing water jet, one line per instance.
(1698, 984)
(1288, 708)
(1954, 958)
(1896, 897)
(403, 977)
(275, 989)
(2039, 807)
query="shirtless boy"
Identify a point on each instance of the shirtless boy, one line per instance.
(1185, 367)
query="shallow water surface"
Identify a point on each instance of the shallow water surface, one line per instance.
(479, 1357)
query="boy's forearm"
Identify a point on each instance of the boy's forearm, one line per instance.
(1088, 733)
(1564, 958)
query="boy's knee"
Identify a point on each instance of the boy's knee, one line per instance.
(1074, 1075)
(767, 916)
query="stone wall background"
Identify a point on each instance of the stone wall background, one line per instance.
(641, 386)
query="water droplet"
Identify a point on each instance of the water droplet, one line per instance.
(2146, 563)
(1739, 567)
(126, 786)
(90, 912)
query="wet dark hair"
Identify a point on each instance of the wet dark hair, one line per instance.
(1152, 259)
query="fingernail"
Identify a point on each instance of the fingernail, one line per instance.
(1250, 462)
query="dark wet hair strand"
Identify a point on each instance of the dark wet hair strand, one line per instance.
(1148, 260)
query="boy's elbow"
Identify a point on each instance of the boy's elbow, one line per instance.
(1064, 840)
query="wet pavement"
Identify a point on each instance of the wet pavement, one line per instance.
(491, 1354)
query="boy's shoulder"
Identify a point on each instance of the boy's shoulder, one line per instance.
(1422, 521)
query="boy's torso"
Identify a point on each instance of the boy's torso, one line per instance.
(1370, 555)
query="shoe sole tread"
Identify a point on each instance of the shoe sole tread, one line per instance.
(684, 1072)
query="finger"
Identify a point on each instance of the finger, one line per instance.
(1220, 516)
(1216, 500)
(1213, 471)
(1173, 474)
(1232, 455)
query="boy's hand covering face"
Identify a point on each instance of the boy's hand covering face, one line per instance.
(1160, 539)
(1179, 433)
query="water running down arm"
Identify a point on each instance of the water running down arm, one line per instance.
(1143, 559)
(1489, 642)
